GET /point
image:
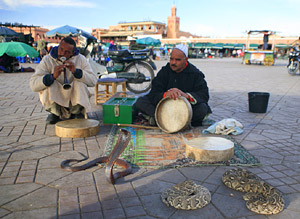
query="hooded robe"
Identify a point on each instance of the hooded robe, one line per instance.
(55, 93)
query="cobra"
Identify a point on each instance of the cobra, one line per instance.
(111, 160)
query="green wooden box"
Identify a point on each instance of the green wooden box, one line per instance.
(119, 110)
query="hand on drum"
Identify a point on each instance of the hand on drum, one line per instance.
(174, 93)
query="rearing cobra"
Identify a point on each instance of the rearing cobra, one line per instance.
(111, 160)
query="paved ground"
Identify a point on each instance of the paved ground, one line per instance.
(32, 185)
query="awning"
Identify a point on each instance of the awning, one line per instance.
(228, 46)
(238, 46)
(209, 45)
(199, 45)
(170, 46)
(218, 46)
(282, 45)
(203, 45)
(253, 46)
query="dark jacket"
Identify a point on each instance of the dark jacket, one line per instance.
(190, 80)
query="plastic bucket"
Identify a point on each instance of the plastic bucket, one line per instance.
(258, 102)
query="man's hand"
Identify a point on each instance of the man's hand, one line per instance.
(70, 65)
(58, 70)
(174, 93)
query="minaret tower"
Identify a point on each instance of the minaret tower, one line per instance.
(173, 24)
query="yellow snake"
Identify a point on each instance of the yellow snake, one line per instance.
(260, 197)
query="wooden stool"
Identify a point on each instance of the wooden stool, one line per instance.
(103, 95)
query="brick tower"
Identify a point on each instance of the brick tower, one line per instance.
(173, 24)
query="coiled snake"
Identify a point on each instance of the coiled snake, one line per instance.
(122, 142)
(260, 197)
(186, 196)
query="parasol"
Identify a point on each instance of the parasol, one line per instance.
(69, 31)
(148, 41)
(4, 31)
(16, 49)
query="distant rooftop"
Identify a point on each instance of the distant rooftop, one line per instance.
(134, 22)
(8, 24)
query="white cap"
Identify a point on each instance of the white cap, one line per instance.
(183, 48)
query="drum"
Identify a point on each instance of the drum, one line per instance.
(209, 149)
(173, 115)
(77, 128)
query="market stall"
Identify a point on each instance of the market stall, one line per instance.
(263, 54)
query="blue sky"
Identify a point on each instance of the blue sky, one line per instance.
(214, 18)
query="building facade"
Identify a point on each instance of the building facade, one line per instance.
(126, 30)
(30, 33)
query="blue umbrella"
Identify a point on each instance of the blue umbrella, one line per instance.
(148, 41)
(4, 31)
(69, 31)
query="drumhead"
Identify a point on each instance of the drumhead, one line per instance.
(173, 115)
(209, 149)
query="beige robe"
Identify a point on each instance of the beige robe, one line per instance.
(77, 94)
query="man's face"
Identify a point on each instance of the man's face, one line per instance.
(65, 49)
(177, 60)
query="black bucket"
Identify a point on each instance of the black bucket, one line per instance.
(258, 102)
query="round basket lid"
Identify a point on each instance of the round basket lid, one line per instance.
(173, 115)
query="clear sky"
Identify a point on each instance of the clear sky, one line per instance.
(214, 18)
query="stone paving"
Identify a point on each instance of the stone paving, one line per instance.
(32, 184)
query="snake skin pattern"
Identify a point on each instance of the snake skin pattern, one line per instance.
(260, 197)
(186, 196)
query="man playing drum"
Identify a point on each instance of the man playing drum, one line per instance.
(178, 78)
(62, 79)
